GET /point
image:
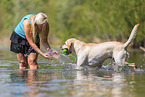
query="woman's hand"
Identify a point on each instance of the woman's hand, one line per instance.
(47, 56)
(54, 53)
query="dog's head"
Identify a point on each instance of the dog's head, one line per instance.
(68, 45)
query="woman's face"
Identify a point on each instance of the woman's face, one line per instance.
(39, 27)
(42, 26)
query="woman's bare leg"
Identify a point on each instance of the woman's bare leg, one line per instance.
(32, 60)
(22, 61)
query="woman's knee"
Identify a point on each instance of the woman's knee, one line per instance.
(32, 59)
(32, 63)
(22, 61)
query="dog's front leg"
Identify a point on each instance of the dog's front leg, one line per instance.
(81, 62)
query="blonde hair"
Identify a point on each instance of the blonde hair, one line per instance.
(39, 19)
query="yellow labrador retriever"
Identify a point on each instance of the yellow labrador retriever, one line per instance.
(92, 54)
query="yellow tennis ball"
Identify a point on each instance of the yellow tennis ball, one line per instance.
(65, 50)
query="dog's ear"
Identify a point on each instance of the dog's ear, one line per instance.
(68, 44)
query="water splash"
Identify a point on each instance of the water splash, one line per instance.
(65, 59)
(69, 62)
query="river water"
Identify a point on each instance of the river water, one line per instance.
(55, 79)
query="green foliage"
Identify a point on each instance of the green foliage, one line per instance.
(86, 20)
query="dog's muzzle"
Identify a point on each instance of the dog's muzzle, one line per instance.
(66, 52)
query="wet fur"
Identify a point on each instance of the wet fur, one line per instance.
(91, 54)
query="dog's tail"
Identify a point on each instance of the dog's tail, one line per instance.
(132, 36)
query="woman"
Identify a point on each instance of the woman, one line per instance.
(25, 40)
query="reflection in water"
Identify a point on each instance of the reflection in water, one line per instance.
(32, 83)
(99, 83)
(120, 81)
(24, 78)
(58, 80)
(42, 83)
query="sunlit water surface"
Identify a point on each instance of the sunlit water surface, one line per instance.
(59, 79)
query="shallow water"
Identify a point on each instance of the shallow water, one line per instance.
(54, 79)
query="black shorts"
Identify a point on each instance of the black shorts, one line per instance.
(21, 45)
